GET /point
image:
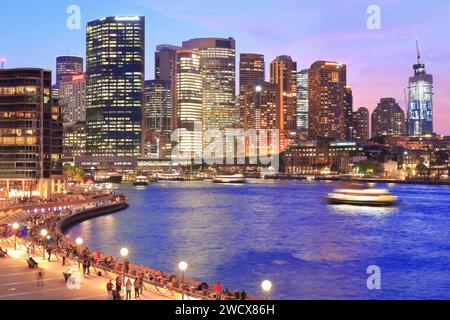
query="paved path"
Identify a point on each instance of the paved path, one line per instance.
(18, 282)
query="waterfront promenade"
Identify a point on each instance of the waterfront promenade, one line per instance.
(18, 280)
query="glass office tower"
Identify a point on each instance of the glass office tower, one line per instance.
(115, 86)
(420, 101)
(302, 103)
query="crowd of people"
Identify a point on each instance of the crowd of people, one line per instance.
(130, 276)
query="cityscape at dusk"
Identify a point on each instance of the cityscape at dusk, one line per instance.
(238, 153)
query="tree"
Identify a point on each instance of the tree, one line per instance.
(74, 173)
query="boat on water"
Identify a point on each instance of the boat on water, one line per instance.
(108, 177)
(169, 177)
(235, 178)
(360, 195)
(141, 181)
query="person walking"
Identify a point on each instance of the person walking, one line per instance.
(49, 252)
(128, 287)
(88, 266)
(40, 277)
(137, 286)
(109, 289)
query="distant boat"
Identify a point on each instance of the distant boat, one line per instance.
(141, 181)
(236, 178)
(108, 177)
(362, 196)
(169, 177)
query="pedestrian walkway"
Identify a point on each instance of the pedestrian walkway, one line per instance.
(18, 282)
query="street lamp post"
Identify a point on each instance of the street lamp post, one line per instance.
(267, 286)
(44, 234)
(15, 228)
(183, 265)
(124, 253)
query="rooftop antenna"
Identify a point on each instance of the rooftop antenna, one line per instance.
(418, 51)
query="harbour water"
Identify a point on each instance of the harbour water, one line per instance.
(286, 232)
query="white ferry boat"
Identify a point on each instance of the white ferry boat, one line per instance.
(236, 178)
(362, 196)
(141, 181)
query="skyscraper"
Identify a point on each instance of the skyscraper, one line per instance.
(115, 86)
(30, 135)
(420, 100)
(260, 103)
(72, 99)
(283, 71)
(218, 66)
(67, 66)
(251, 69)
(348, 113)
(165, 62)
(302, 103)
(388, 119)
(360, 125)
(158, 116)
(188, 105)
(328, 100)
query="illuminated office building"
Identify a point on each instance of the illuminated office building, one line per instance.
(72, 99)
(283, 72)
(420, 101)
(328, 100)
(67, 66)
(30, 135)
(302, 103)
(165, 62)
(188, 104)
(115, 86)
(388, 119)
(219, 81)
(158, 116)
(75, 140)
(348, 113)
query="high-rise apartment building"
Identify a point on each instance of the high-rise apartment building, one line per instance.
(328, 100)
(115, 86)
(388, 119)
(283, 72)
(360, 123)
(30, 135)
(349, 126)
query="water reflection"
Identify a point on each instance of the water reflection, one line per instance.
(286, 232)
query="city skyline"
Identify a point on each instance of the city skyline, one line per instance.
(337, 33)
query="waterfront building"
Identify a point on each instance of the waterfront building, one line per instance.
(218, 69)
(30, 135)
(115, 86)
(72, 99)
(158, 118)
(361, 125)
(283, 72)
(74, 140)
(388, 119)
(302, 103)
(67, 66)
(321, 157)
(328, 100)
(260, 103)
(188, 104)
(420, 101)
